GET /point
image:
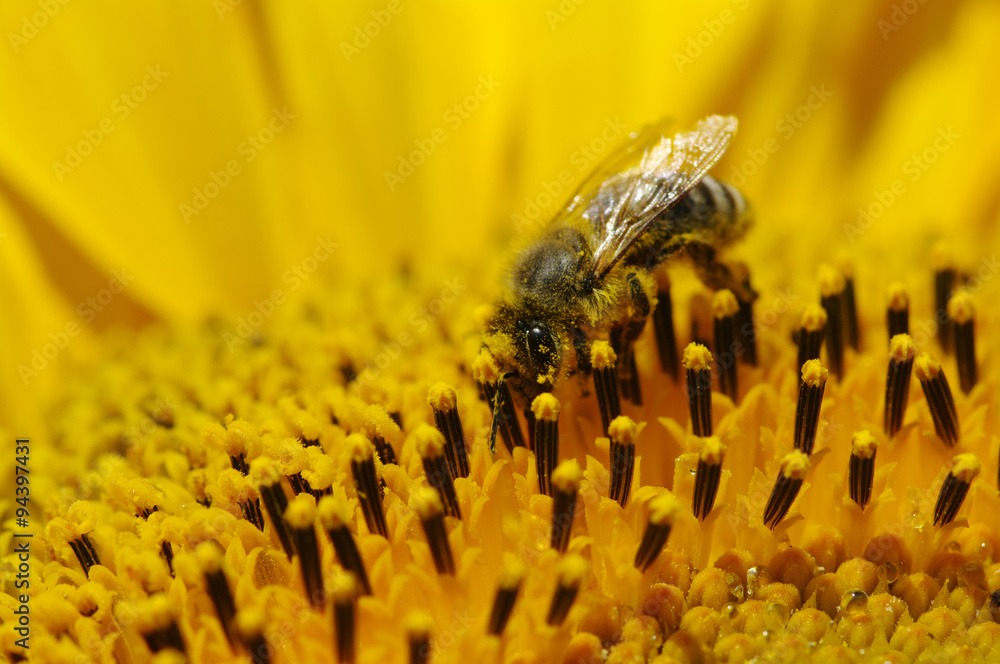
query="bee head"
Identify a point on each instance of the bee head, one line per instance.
(528, 350)
(542, 347)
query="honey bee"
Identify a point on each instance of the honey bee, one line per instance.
(588, 274)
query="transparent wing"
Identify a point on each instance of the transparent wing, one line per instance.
(621, 159)
(624, 196)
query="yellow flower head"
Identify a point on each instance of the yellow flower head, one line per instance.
(256, 259)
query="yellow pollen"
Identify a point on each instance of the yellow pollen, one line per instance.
(863, 444)
(712, 450)
(942, 256)
(425, 501)
(265, 471)
(82, 517)
(814, 374)
(361, 448)
(320, 471)
(567, 475)
(795, 465)
(622, 430)
(663, 509)
(485, 369)
(144, 494)
(428, 441)
(966, 467)
(926, 367)
(333, 513)
(960, 307)
(725, 304)
(442, 397)
(301, 511)
(697, 357)
(831, 280)
(813, 317)
(250, 622)
(546, 407)
(345, 586)
(902, 348)
(571, 570)
(378, 423)
(513, 572)
(209, 556)
(152, 614)
(418, 623)
(602, 356)
(899, 297)
(242, 437)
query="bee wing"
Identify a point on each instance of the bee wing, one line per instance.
(621, 159)
(619, 207)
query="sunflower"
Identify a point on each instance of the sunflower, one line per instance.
(249, 253)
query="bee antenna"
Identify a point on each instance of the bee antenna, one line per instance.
(497, 414)
(495, 426)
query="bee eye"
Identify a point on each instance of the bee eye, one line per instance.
(543, 347)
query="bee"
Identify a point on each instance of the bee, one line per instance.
(588, 274)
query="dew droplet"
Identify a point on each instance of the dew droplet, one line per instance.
(735, 586)
(972, 574)
(953, 546)
(758, 576)
(888, 572)
(854, 601)
(776, 617)
(918, 521)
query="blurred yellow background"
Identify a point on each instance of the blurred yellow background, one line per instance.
(171, 161)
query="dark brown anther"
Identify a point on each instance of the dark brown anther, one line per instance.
(334, 517)
(603, 359)
(961, 313)
(956, 485)
(707, 476)
(426, 502)
(902, 350)
(831, 285)
(662, 511)
(898, 311)
(861, 470)
(939, 399)
(812, 330)
(794, 467)
(381, 428)
(511, 576)
(666, 340)
(565, 487)
(444, 402)
(571, 570)
(266, 474)
(366, 483)
(850, 309)
(945, 276)
(698, 365)
(725, 308)
(300, 515)
(546, 408)
(811, 388)
(210, 557)
(623, 433)
(345, 617)
(430, 445)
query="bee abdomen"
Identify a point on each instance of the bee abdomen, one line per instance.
(719, 207)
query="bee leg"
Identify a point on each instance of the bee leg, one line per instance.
(581, 345)
(716, 274)
(641, 309)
